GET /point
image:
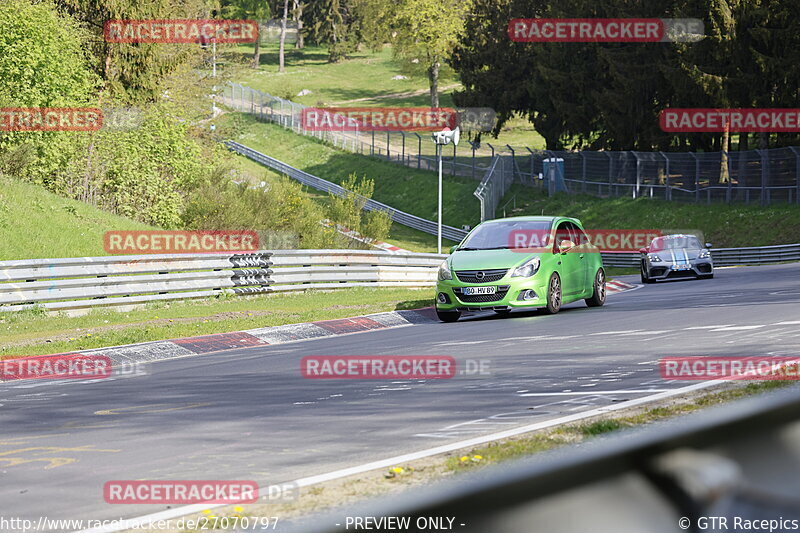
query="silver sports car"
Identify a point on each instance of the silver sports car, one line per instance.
(676, 256)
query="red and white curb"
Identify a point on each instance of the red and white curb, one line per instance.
(148, 352)
(614, 286)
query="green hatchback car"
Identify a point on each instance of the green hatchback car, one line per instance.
(520, 263)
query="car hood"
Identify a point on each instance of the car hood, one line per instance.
(676, 255)
(487, 259)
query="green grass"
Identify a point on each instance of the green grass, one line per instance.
(364, 80)
(722, 225)
(36, 224)
(364, 75)
(407, 189)
(35, 333)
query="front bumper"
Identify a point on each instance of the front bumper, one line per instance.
(695, 268)
(512, 293)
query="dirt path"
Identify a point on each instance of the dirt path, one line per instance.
(396, 95)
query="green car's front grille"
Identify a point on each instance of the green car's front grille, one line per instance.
(482, 298)
(481, 276)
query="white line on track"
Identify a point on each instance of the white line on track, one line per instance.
(788, 323)
(595, 393)
(177, 512)
(710, 327)
(737, 328)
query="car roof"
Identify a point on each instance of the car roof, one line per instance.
(535, 219)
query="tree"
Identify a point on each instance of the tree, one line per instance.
(249, 9)
(422, 31)
(281, 59)
(297, 16)
(334, 23)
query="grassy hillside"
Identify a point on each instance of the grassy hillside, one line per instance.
(362, 80)
(37, 224)
(415, 192)
(723, 225)
(404, 188)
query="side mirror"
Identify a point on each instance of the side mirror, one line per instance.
(453, 248)
(566, 246)
(642, 250)
(708, 245)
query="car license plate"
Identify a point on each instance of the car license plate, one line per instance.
(683, 267)
(473, 291)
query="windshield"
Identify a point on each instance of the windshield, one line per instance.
(674, 242)
(501, 234)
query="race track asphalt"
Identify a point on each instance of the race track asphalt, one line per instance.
(249, 414)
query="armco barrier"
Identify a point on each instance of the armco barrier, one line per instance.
(406, 219)
(86, 282)
(757, 255)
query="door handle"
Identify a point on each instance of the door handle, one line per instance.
(581, 256)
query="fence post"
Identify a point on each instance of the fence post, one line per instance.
(419, 150)
(388, 145)
(667, 188)
(453, 166)
(372, 145)
(473, 160)
(583, 171)
(729, 191)
(403, 149)
(638, 175)
(513, 160)
(796, 173)
(492, 147)
(696, 177)
(610, 173)
(533, 178)
(764, 177)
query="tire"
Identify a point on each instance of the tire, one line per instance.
(598, 290)
(448, 316)
(554, 295)
(645, 278)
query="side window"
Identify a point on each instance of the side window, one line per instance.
(580, 236)
(563, 233)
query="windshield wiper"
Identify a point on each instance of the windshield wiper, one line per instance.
(495, 248)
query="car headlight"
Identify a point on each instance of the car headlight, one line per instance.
(527, 269)
(444, 271)
(704, 254)
(654, 258)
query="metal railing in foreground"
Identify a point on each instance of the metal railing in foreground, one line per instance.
(86, 282)
(735, 461)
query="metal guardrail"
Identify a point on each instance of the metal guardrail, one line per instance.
(756, 255)
(401, 217)
(87, 282)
